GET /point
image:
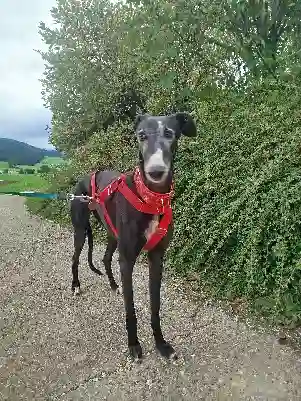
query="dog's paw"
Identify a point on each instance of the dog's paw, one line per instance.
(76, 291)
(114, 287)
(167, 351)
(136, 352)
(119, 290)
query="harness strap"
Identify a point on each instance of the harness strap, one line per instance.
(101, 196)
(135, 201)
(119, 184)
(160, 232)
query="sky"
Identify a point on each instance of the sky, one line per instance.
(22, 114)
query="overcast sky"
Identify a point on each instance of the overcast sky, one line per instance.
(22, 115)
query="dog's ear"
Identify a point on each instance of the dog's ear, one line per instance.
(138, 119)
(187, 124)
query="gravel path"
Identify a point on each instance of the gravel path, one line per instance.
(57, 347)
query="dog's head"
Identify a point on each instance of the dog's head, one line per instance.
(157, 137)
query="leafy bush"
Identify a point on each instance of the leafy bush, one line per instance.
(238, 201)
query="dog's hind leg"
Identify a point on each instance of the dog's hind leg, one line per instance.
(107, 261)
(90, 250)
(79, 241)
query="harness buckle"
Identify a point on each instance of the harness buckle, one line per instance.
(85, 198)
(82, 198)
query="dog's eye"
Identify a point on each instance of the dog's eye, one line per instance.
(168, 134)
(142, 135)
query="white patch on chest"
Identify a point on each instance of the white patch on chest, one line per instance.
(153, 224)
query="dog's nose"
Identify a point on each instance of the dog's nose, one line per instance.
(156, 175)
(156, 172)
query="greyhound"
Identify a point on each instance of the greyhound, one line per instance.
(157, 141)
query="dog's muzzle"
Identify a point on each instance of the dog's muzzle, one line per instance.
(156, 169)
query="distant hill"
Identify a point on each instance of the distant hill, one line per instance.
(15, 152)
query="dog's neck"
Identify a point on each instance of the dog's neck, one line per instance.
(161, 188)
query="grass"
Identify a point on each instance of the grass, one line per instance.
(50, 161)
(3, 165)
(15, 182)
(22, 182)
(24, 167)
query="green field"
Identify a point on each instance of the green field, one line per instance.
(22, 182)
(15, 170)
(3, 165)
(26, 182)
(49, 161)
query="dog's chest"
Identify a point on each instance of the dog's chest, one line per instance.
(152, 226)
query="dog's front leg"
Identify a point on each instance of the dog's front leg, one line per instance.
(155, 258)
(126, 271)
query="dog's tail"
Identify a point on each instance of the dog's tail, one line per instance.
(89, 234)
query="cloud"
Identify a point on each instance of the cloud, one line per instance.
(28, 128)
(21, 107)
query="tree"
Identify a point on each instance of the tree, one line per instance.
(29, 171)
(44, 169)
(84, 66)
(264, 33)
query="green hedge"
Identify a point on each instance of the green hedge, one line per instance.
(238, 206)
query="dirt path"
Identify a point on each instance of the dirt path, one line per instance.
(56, 347)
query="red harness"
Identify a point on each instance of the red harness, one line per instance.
(149, 202)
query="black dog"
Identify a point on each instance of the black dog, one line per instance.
(157, 139)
